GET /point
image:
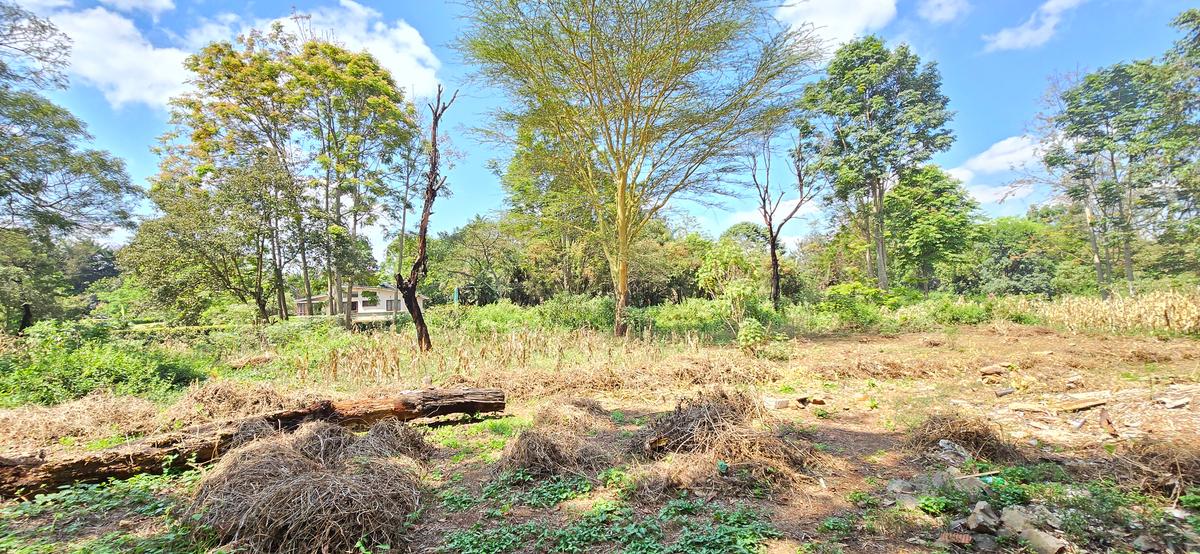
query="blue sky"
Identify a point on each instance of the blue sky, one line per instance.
(995, 57)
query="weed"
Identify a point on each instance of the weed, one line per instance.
(457, 498)
(836, 525)
(862, 499)
(556, 490)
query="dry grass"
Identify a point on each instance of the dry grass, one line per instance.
(723, 436)
(1173, 312)
(321, 489)
(220, 399)
(1169, 467)
(575, 436)
(981, 438)
(96, 416)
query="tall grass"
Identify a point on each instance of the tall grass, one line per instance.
(1175, 312)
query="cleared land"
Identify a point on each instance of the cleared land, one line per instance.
(1096, 437)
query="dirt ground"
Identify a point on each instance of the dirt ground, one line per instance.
(1090, 403)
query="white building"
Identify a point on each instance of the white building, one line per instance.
(366, 301)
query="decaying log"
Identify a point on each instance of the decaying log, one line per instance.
(26, 475)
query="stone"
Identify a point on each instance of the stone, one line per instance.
(1147, 543)
(771, 403)
(1042, 542)
(900, 486)
(1013, 520)
(907, 501)
(983, 518)
(985, 543)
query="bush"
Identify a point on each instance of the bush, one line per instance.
(806, 319)
(51, 376)
(58, 335)
(694, 315)
(576, 311)
(501, 317)
(856, 304)
(951, 311)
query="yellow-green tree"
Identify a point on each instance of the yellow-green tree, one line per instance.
(643, 100)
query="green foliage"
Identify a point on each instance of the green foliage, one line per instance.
(752, 336)
(70, 515)
(576, 311)
(67, 361)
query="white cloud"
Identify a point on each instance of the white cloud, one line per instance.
(153, 7)
(1010, 153)
(995, 194)
(43, 6)
(1035, 31)
(111, 54)
(398, 45)
(1007, 155)
(839, 21)
(942, 11)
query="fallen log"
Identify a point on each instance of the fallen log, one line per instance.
(26, 475)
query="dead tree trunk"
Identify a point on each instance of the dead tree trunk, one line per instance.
(434, 182)
(202, 443)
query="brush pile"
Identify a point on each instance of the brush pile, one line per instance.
(978, 437)
(573, 437)
(320, 489)
(722, 438)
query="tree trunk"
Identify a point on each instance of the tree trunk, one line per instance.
(26, 317)
(1127, 260)
(775, 292)
(1094, 245)
(350, 304)
(307, 282)
(880, 245)
(411, 302)
(621, 296)
(202, 443)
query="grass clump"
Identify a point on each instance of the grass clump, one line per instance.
(321, 489)
(979, 437)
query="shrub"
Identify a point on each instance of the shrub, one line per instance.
(697, 315)
(500, 317)
(950, 311)
(57, 335)
(856, 304)
(52, 376)
(576, 311)
(806, 319)
(752, 335)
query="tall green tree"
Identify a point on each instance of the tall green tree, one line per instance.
(929, 222)
(52, 183)
(884, 114)
(643, 100)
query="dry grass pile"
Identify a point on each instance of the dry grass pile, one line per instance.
(726, 435)
(219, 399)
(1170, 467)
(575, 436)
(99, 415)
(320, 489)
(979, 437)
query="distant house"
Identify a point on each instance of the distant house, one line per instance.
(367, 301)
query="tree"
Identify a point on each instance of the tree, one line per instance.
(883, 113)
(642, 101)
(48, 177)
(32, 50)
(779, 207)
(435, 183)
(1113, 140)
(930, 221)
